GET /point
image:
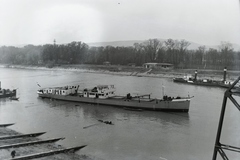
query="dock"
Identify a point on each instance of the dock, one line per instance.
(16, 146)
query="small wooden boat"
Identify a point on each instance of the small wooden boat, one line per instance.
(6, 125)
(49, 153)
(16, 145)
(22, 136)
(106, 122)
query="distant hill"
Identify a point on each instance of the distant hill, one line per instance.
(235, 46)
(192, 46)
(115, 43)
(127, 43)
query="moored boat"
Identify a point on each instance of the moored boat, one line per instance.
(105, 95)
(204, 82)
(5, 93)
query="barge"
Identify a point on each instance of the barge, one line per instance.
(105, 95)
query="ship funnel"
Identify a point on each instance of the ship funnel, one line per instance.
(224, 74)
(195, 77)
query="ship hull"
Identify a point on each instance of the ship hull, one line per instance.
(178, 105)
(8, 94)
(198, 83)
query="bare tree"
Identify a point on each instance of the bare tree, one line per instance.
(151, 48)
(226, 51)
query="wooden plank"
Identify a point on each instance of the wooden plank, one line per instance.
(22, 135)
(30, 143)
(6, 125)
(49, 153)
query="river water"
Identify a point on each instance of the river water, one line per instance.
(135, 135)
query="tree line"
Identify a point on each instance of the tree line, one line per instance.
(171, 51)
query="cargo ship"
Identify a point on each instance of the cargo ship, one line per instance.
(5, 93)
(204, 82)
(105, 95)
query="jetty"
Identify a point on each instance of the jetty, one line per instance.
(16, 146)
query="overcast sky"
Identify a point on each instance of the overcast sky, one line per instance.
(207, 22)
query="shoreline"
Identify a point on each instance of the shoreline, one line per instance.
(133, 71)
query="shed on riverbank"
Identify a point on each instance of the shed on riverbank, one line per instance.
(107, 63)
(158, 65)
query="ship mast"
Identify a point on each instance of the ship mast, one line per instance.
(163, 90)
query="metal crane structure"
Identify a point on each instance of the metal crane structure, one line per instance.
(234, 89)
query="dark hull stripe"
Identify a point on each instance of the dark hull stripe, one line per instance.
(155, 105)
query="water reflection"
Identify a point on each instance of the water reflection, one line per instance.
(4, 100)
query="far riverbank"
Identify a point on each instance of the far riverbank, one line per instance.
(135, 71)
